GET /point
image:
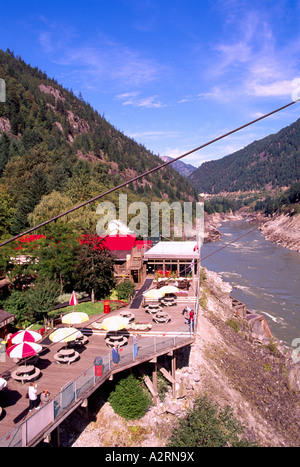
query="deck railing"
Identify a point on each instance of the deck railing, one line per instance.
(74, 391)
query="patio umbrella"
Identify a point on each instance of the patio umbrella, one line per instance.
(3, 383)
(169, 289)
(75, 317)
(25, 336)
(155, 294)
(65, 335)
(73, 300)
(24, 350)
(114, 323)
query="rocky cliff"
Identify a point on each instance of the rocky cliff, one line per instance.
(258, 380)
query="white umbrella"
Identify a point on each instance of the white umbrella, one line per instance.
(114, 323)
(75, 317)
(65, 335)
(169, 289)
(25, 336)
(3, 383)
(155, 294)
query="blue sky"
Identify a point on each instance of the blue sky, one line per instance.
(170, 74)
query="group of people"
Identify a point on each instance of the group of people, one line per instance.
(189, 315)
(115, 350)
(33, 397)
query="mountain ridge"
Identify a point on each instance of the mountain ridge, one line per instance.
(51, 141)
(270, 163)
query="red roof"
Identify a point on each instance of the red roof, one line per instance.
(120, 242)
(113, 242)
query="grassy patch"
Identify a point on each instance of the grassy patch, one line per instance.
(87, 307)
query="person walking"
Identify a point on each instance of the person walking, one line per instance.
(32, 395)
(135, 339)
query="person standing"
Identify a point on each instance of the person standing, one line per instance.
(192, 315)
(32, 395)
(115, 355)
(45, 396)
(135, 339)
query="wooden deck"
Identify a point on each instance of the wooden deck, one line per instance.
(55, 376)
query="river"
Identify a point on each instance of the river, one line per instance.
(265, 276)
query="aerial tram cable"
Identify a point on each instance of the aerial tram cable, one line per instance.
(155, 169)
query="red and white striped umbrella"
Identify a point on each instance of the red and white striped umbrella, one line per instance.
(73, 300)
(25, 336)
(23, 350)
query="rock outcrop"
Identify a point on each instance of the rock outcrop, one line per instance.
(283, 230)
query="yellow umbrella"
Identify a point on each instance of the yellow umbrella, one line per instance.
(114, 323)
(65, 335)
(155, 294)
(75, 317)
(169, 289)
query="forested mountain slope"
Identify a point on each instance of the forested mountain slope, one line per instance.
(269, 163)
(57, 151)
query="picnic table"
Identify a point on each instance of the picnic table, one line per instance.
(168, 301)
(153, 308)
(113, 339)
(127, 314)
(66, 356)
(162, 317)
(25, 373)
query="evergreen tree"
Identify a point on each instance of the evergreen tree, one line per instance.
(129, 400)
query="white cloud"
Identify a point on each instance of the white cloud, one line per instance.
(252, 61)
(131, 98)
(153, 134)
(105, 60)
(282, 88)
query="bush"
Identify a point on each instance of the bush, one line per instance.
(129, 400)
(208, 425)
(125, 290)
(233, 323)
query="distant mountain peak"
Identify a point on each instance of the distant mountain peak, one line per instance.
(184, 169)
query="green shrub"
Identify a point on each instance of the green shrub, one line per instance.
(125, 290)
(233, 324)
(129, 400)
(208, 425)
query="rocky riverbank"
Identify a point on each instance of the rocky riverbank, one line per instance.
(260, 382)
(282, 229)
